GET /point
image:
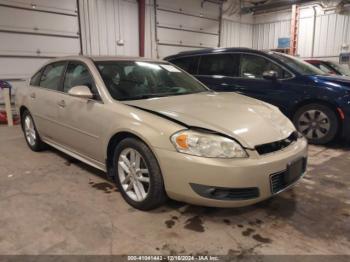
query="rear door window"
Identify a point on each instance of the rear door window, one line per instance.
(52, 76)
(219, 64)
(35, 80)
(189, 64)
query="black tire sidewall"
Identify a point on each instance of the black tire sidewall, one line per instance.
(334, 122)
(156, 195)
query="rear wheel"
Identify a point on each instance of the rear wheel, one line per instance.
(318, 123)
(138, 175)
(30, 133)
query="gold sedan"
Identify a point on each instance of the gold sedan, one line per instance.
(160, 133)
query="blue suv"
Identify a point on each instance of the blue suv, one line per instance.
(318, 104)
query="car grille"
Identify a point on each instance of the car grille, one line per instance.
(279, 182)
(221, 193)
(276, 146)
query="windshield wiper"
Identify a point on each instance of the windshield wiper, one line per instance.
(155, 95)
(145, 96)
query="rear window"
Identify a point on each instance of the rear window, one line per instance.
(34, 81)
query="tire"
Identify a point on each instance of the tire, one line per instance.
(317, 122)
(129, 185)
(31, 134)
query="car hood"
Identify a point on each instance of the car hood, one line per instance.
(339, 81)
(249, 121)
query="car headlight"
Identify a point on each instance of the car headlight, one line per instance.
(206, 145)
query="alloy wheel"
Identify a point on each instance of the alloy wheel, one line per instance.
(29, 130)
(314, 124)
(133, 174)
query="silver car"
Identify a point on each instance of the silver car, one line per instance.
(160, 133)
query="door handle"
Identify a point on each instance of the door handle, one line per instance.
(62, 103)
(32, 95)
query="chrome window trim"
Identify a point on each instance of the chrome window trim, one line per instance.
(64, 73)
(238, 52)
(60, 92)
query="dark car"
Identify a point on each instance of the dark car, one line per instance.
(318, 104)
(330, 67)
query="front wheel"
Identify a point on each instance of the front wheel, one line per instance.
(318, 123)
(138, 175)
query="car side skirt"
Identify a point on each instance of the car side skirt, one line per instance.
(84, 159)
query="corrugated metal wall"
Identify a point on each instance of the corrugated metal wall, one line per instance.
(177, 18)
(269, 27)
(109, 27)
(236, 34)
(331, 32)
(150, 33)
(306, 32)
(45, 28)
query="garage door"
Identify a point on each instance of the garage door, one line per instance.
(32, 31)
(186, 25)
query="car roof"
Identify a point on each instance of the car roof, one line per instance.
(104, 58)
(214, 50)
(265, 53)
(87, 59)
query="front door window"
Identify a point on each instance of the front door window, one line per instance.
(77, 74)
(253, 66)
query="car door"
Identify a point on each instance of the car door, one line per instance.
(31, 99)
(45, 96)
(219, 71)
(251, 80)
(81, 118)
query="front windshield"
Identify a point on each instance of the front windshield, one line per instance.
(298, 65)
(131, 80)
(343, 69)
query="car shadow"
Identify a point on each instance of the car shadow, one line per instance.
(68, 160)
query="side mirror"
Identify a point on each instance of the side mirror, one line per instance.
(270, 75)
(81, 91)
